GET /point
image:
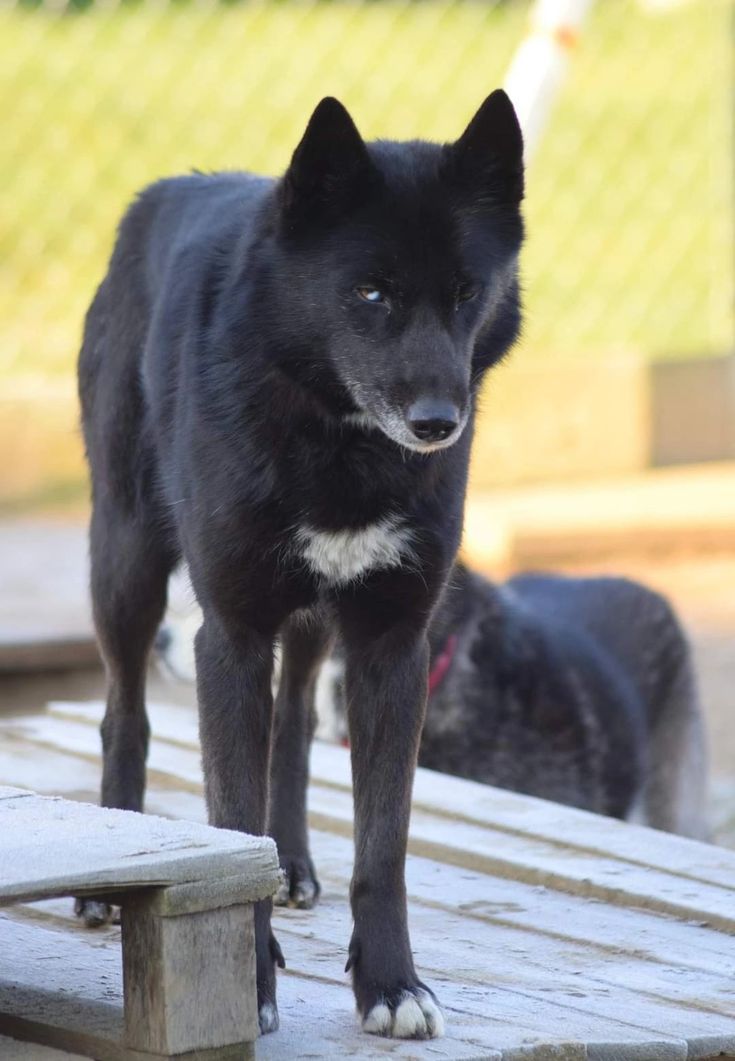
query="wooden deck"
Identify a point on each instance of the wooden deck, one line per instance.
(546, 933)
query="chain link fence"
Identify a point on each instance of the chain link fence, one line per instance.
(629, 205)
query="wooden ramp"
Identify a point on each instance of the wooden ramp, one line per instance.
(546, 933)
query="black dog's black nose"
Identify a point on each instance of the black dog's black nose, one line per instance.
(432, 421)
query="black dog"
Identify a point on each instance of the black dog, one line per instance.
(578, 690)
(278, 382)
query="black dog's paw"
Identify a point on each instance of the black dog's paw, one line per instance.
(299, 887)
(406, 1009)
(268, 1017)
(267, 1008)
(95, 914)
(407, 1013)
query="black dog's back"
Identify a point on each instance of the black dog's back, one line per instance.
(175, 233)
(637, 627)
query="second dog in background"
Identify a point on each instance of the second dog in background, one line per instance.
(577, 690)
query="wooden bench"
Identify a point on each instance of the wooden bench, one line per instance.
(188, 960)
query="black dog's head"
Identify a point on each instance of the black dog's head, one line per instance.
(400, 261)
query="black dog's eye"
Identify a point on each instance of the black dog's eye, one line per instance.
(370, 294)
(465, 293)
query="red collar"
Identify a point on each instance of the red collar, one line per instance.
(442, 663)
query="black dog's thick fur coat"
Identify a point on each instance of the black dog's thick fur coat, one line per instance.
(278, 381)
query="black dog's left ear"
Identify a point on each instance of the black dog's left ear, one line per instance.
(330, 162)
(489, 153)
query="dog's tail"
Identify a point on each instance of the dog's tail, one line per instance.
(674, 797)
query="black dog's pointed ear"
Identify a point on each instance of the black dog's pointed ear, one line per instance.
(330, 159)
(489, 153)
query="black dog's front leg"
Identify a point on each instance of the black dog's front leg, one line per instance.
(386, 697)
(235, 716)
(304, 643)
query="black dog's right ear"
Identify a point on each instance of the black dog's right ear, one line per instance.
(489, 153)
(330, 163)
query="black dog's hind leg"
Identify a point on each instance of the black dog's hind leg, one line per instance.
(386, 698)
(234, 666)
(304, 643)
(131, 563)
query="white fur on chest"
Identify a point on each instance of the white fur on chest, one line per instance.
(344, 555)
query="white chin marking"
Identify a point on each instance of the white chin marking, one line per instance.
(268, 1018)
(417, 1016)
(344, 555)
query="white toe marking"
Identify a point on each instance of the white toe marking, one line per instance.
(432, 1013)
(417, 1016)
(304, 893)
(268, 1018)
(409, 1020)
(282, 895)
(378, 1020)
(344, 555)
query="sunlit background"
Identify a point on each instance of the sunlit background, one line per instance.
(630, 251)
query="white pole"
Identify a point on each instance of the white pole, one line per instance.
(540, 63)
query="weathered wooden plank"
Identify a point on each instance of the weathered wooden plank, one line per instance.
(81, 966)
(463, 842)
(496, 962)
(14, 1050)
(567, 827)
(645, 935)
(688, 944)
(59, 981)
(535, 861)
(48, 771)
(455, 798)
(522, 970)
(7, 792)
(513, 1023)
(618, 989)
(317, 1011)
(68, 1042)
(50, 564)
(54, 847)
(45, 649)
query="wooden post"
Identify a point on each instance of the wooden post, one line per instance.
(188, 974)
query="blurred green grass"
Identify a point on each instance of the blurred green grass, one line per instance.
(629, 199)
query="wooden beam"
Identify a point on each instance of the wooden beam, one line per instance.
(189, 981)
